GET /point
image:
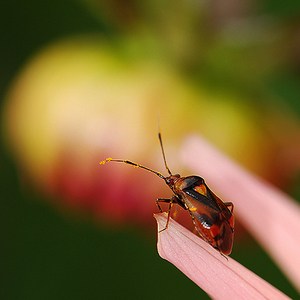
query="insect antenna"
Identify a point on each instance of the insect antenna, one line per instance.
(128, 162)
(163, 152)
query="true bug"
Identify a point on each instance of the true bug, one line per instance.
(212, 217)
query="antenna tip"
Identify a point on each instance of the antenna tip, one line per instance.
(105, 161)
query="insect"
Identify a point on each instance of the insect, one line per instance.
(212, 217)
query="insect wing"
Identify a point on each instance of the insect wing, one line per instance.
(227, 214)
(206, 202)
(211, 217)
(203, 209)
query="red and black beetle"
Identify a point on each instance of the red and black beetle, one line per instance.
(212, 217)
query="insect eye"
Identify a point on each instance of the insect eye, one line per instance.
(169, 181)
(201, 189)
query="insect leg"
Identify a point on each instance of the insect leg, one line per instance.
(229, 204)
(170, 201)
(165, 200)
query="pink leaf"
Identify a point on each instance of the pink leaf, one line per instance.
(217, 276)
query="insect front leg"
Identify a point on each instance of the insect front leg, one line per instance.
(170, 201)
(165, 200)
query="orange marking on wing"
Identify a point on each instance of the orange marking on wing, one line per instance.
(201, 189)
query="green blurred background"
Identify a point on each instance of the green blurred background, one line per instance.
(48, 253)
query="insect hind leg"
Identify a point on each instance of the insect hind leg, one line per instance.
(229, 204)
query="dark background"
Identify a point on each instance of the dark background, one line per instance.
(47, 254)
